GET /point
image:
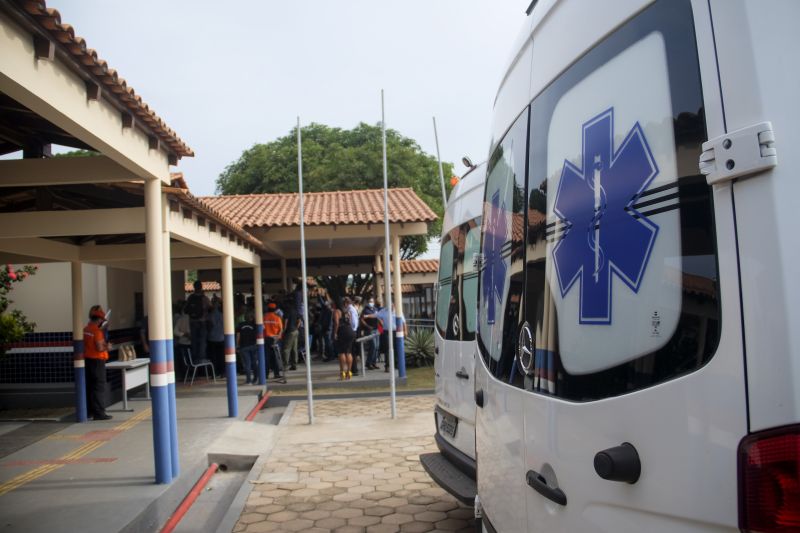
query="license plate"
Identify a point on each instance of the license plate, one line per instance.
(448, 425)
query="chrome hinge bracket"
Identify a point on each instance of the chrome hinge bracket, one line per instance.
(739, 153)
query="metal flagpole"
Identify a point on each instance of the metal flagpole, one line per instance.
(303, 274)
(441, 172)
(386, 263)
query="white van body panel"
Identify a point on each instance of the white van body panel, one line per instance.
(453, 394)
(759, 78)
(687, 429)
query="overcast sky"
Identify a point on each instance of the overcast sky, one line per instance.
(228, 75)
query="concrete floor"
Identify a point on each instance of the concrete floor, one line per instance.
(99, 476)
(355, 469)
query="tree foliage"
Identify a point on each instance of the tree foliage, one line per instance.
(13, 325)
(340, 159)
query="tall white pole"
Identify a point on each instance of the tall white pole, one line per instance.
(441, 172)
(386, 263)
(304, 280)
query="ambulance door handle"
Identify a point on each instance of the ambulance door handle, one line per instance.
(461, 374)
(538, 483)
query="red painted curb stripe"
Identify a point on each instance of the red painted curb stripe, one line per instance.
(258, 407)
(190, 498)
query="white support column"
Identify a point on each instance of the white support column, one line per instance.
(284, 277)
(400, 342)
(78, 361)
(154, 246)
(378, 277)
(396, 276)
(259, 312)
(230, 340)
(168, 336)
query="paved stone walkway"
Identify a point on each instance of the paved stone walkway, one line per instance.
(364, 484)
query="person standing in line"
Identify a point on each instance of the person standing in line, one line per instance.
(182, 338)
(216, 337)
(197, 307)
(369, 325)
(326, 330)
(345, 333)
(391, 324)
(291, 326)
(246, 343)
(95, 353)
(273, 327)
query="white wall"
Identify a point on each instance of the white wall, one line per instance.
(122, 285)
(46, 297)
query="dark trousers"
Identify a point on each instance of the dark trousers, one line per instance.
(385, 348)
(95, 387)
(328, 350)
(199, 335)
(273, 357)
(216, 354)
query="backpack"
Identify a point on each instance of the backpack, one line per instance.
(194, 306)
(346, 318)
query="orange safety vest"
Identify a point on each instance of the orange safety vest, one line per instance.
(92, 334)
(273, 325)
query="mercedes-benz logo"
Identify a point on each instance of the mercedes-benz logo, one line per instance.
(525, 349)
(455, 324)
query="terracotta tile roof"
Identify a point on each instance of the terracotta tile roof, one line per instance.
(417, 266)
(185, 197)
(422, 266)
(177, 180)
(208, 286)
(49, 20)
(336, 207)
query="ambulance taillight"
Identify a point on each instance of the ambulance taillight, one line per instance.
(769, 481)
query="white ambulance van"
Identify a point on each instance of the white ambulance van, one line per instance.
(638, 326)
(456, 312)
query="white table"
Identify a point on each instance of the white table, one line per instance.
(134, 373)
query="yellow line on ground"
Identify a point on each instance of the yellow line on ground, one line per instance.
(77, 453)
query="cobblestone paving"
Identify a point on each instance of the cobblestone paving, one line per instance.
(367, 485)
(330, 410)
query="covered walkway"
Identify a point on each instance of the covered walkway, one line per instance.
(116, 207)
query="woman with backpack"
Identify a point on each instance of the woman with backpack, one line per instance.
(345, 322)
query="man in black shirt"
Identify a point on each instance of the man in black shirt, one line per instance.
(291, 325)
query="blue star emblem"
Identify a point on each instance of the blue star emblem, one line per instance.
(494, 272)
(604, 234)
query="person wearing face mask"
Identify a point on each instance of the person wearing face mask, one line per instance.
(369, 325)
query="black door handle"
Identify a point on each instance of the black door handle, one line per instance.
(538, 483)
(436, 349)
(461, 374)
(479, 398)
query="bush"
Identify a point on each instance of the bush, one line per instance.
(420, 347)
(13, 325)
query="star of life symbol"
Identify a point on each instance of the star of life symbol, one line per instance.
(494, 272)
(603, 233)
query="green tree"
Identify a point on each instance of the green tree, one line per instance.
(340, 159)
(78, 153)
(13, 325)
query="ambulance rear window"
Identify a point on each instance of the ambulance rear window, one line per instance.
(619, 289)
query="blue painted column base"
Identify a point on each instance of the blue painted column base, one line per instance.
(159, 390)
(230, 373)
(173, 411)
(400, 353)
(262, 357)
(80, 382)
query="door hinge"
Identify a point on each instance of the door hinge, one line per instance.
(739, 153)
